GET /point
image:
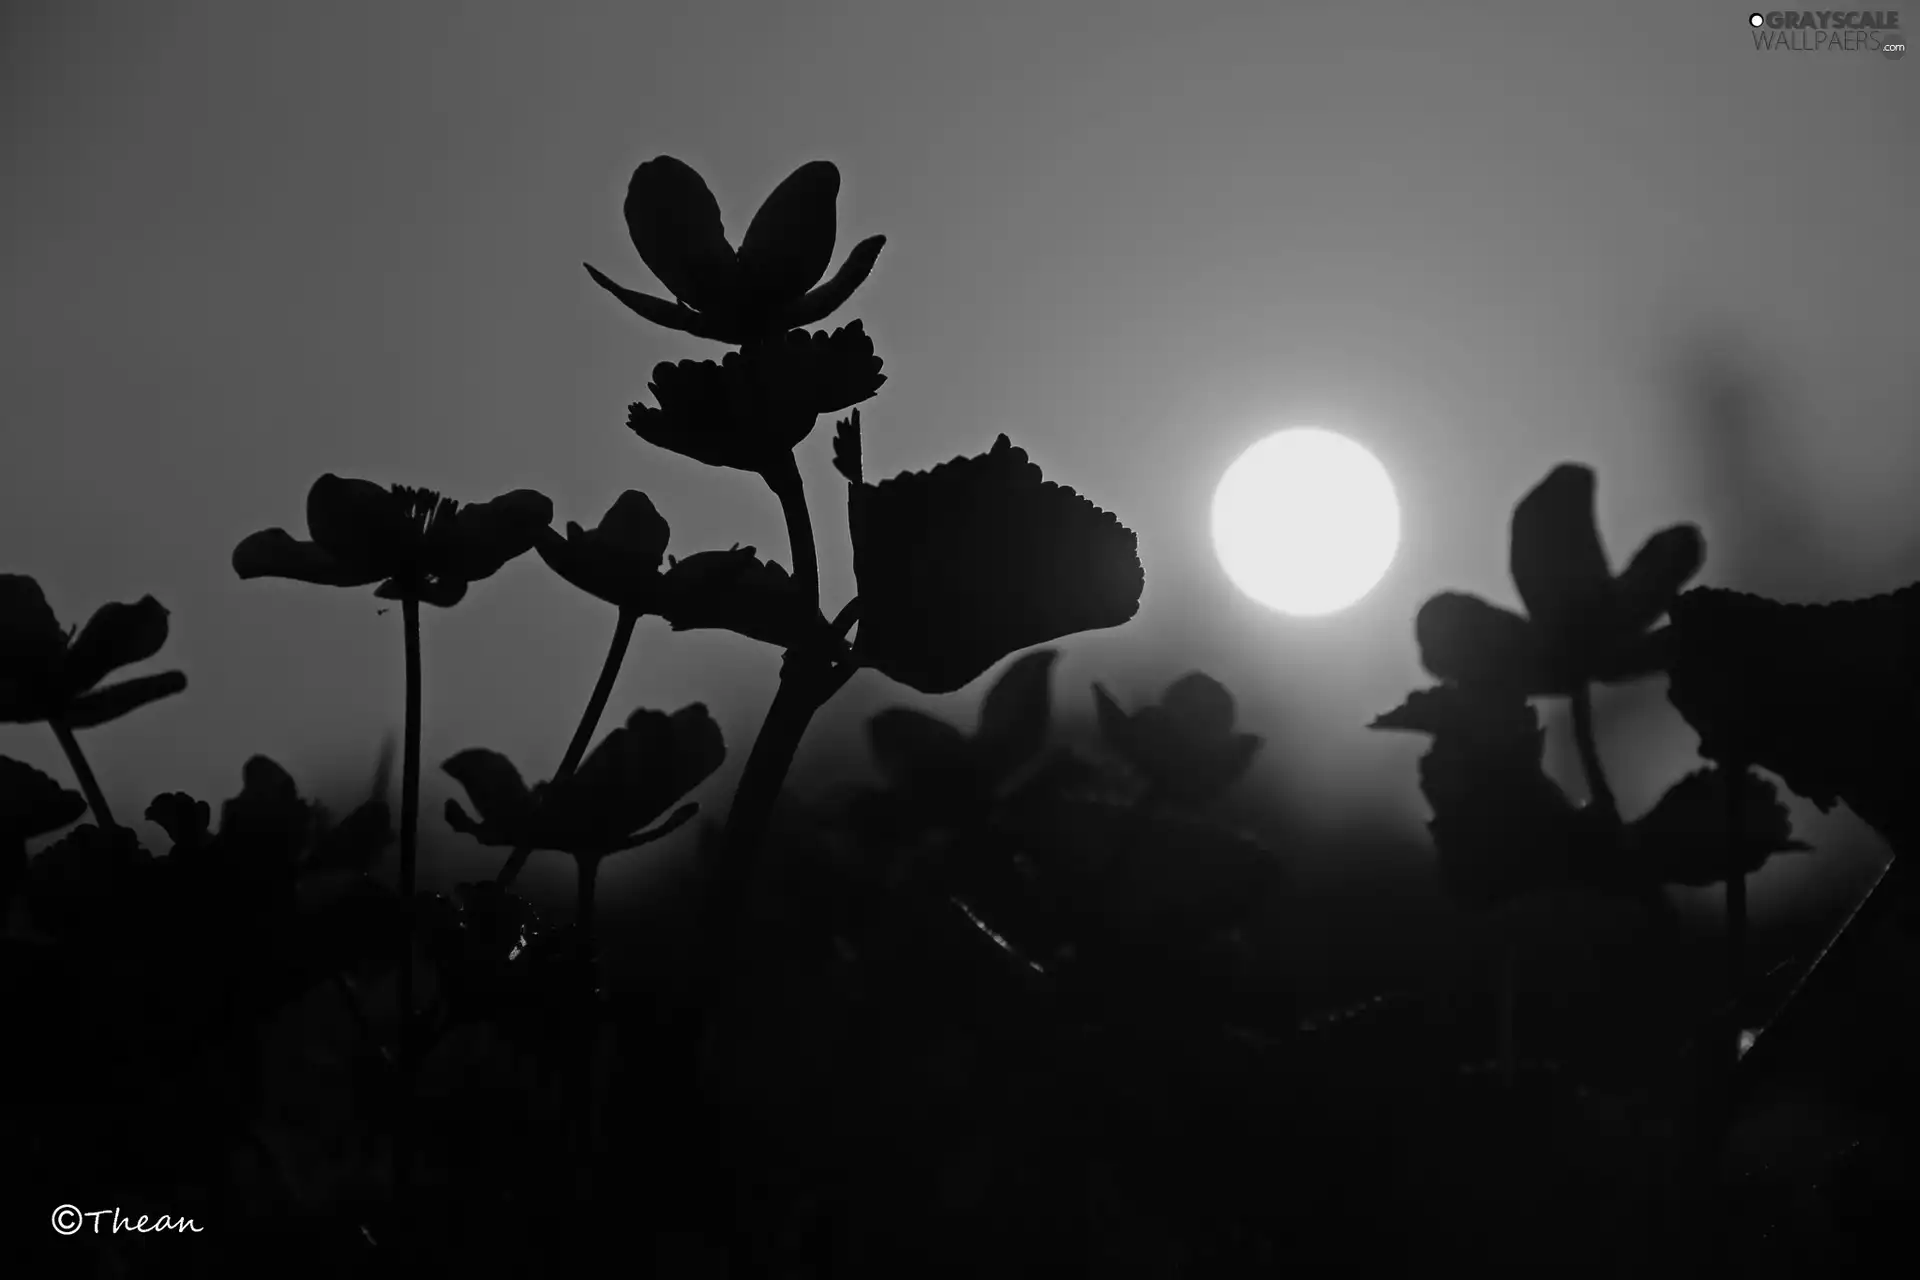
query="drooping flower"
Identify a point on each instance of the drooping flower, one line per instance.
(752, 408)
(1184, 747)
(415, 543)
(1582, 623)
(976, 559)
(48, 673)
(617, 560)
(632, 778)
(768, 285)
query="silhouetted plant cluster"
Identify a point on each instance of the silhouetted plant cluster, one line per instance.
(1020, 1006)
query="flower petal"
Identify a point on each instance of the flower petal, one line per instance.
(980, 558)
(364, 525)
(1200, 705)
(484, 536)
(30, 635)
(116, 700)
(831, 296)
(668, 315)
(789, 243)
(274, 553)
(1016, 714)
(675, 224)
(1655, 575)
(493, 785)
(1464, 639)
(268, 818)
(1555, 555)
(118, 635)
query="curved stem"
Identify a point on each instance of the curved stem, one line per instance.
(784, 479)
(409, 851)
(1598, 792)
(589, 721)
(81, 770)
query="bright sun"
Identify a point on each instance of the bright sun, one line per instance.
(1305, 522)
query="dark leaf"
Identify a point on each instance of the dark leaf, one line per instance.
(187, 821)
(32, 804)
(980, 558)
(735, 591)
(846, 448)
(364, 526)
(1686, 837)
(1651, 580)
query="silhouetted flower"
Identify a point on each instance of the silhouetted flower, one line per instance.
(732, 590)
(768, 286)
(628, 781)
(619, 559)
(268, 830)
(50, 674)
(977, 559)
(1583, 624)
(1501, 827)
(1826, 696)
(413, 542)
(1185, 747)
(751, 409)
(942, 774)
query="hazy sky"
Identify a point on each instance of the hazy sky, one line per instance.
(247, 243)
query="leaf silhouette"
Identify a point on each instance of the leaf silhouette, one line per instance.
(1825, 696)
(1684, 839)
(980, 558)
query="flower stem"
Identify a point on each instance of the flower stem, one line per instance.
(784, 479)
(1736, 900)
(1598, 792)
(84, 772)
(589, 722)
(409, 850)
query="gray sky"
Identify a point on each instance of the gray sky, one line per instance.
(247, 243)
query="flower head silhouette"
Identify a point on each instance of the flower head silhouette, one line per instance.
(415, 543)
(977, 559)
(751, 409)
(764, 288)
(1582, 623)
(1184, 747)
(633, 777)
(51, 674)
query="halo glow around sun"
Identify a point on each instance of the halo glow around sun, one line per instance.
(1306, 522)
